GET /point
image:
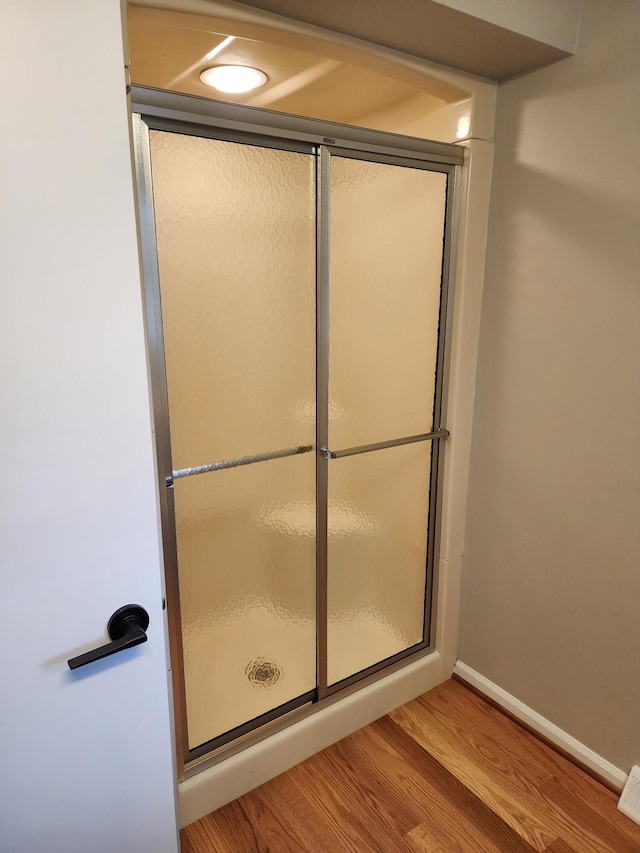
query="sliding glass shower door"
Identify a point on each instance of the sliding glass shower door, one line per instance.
(386, 231)
(235, 229)
(297, 302)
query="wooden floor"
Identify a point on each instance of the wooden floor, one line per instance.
(446, 772)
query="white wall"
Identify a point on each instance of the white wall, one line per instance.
(552, 556)
(551, 21)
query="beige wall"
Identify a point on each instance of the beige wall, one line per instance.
(552, 560)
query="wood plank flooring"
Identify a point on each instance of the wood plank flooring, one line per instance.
(446, 772)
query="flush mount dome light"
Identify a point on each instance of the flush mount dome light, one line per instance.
(233, 79)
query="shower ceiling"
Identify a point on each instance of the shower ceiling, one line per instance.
(168, 51)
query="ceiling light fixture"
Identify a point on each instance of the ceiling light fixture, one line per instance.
(233, 79)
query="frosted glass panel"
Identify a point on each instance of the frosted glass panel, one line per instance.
(378, 514)
(236, 244)
(386, 242)
(246, 559)
(236, 241)
(235, 231)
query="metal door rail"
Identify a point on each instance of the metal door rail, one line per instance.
(242, 460)
(381, 445)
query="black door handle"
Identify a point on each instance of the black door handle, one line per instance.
(126, 628)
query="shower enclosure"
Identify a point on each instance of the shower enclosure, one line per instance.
(296, 281)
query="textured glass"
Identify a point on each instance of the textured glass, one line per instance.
(246, 559)
(378, 516)
(386, 237)
(236, 239)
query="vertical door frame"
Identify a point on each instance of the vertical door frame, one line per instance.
(160, 408)
(161, 110)
(322, 414)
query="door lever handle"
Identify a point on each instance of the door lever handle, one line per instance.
(126, 628)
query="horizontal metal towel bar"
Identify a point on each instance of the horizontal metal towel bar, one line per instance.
(381, 445)
(242, 460)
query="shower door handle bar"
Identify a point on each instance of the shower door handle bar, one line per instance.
(242, 460)
(381, 445)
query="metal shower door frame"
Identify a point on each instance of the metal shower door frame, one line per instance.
(155, 109)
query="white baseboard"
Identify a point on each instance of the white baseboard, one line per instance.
(214, 787)
(554, 734)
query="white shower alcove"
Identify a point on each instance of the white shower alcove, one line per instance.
(313, 284)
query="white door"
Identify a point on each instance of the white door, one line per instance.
(86, 756)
